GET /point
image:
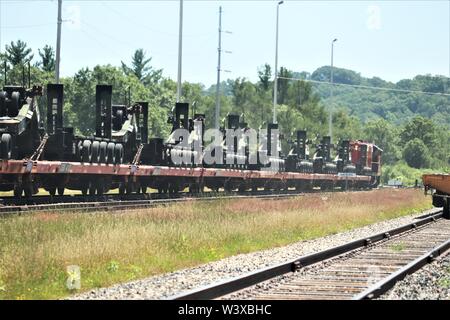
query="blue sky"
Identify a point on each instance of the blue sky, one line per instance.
(389, 39)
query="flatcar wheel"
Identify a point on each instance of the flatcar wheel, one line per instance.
(193, 189)
(18, 191)
(92, 189)
(61, 191)
(28, 190)
(5, 146)
(121, 189)
(103, 152)
(144, 189)
(100, 188)
(110, 159)
(95, 152)
(129, 188)
(86, 151)
(84, 191)
(52, 191)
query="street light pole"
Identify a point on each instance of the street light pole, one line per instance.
(180, 51)
(58, 42)
(275, 83)
(219, 52)
(330, 118)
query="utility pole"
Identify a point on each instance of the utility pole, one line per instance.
(1, 30)
(275, 83)
(180, 51)
(219, 51)
(330, 118)
(58, 42)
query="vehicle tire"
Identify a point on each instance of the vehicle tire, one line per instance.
(117, 120)
(95, 152)
(13, 105)
(86, 151)
(103, 152)
(118, 153)
(3, 110)
(6, 146)
(110, 159)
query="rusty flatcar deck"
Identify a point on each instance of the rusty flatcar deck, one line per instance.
(437, 181)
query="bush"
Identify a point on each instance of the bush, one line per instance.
(416, 154)
(407, 175)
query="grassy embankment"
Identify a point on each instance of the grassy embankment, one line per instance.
(36, 249)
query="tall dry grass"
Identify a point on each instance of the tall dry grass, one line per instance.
(113, 247)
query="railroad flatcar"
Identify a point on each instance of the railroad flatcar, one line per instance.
(121, 155)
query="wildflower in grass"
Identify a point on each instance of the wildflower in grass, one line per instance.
(113, 266)
(73, 281)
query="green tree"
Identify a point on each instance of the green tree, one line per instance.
(283, 84)
(140, 67)
(385, 135)
(300, 93)
(264, 75)
(244, 94)
(48, 58)
(416, 154)
(18, 53)
(422, 129)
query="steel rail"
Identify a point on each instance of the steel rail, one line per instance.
(113, 205)
(12, 205)
(236, 284)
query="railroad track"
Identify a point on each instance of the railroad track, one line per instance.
(112, 202)
(362, 269)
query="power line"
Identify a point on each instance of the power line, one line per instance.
(139, 24)
(28, 26)
(358, 86)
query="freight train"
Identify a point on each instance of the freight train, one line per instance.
(120, 155)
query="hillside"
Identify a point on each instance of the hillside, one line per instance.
(396, 107)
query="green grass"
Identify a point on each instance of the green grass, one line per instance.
(36, 249)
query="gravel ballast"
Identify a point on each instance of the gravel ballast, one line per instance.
(169, 284)
(432, 282)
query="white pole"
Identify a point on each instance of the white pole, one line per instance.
(275, 83)
(180, 51)
(58, 42)
(330, 118)
(219, 50)
(1, 30)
